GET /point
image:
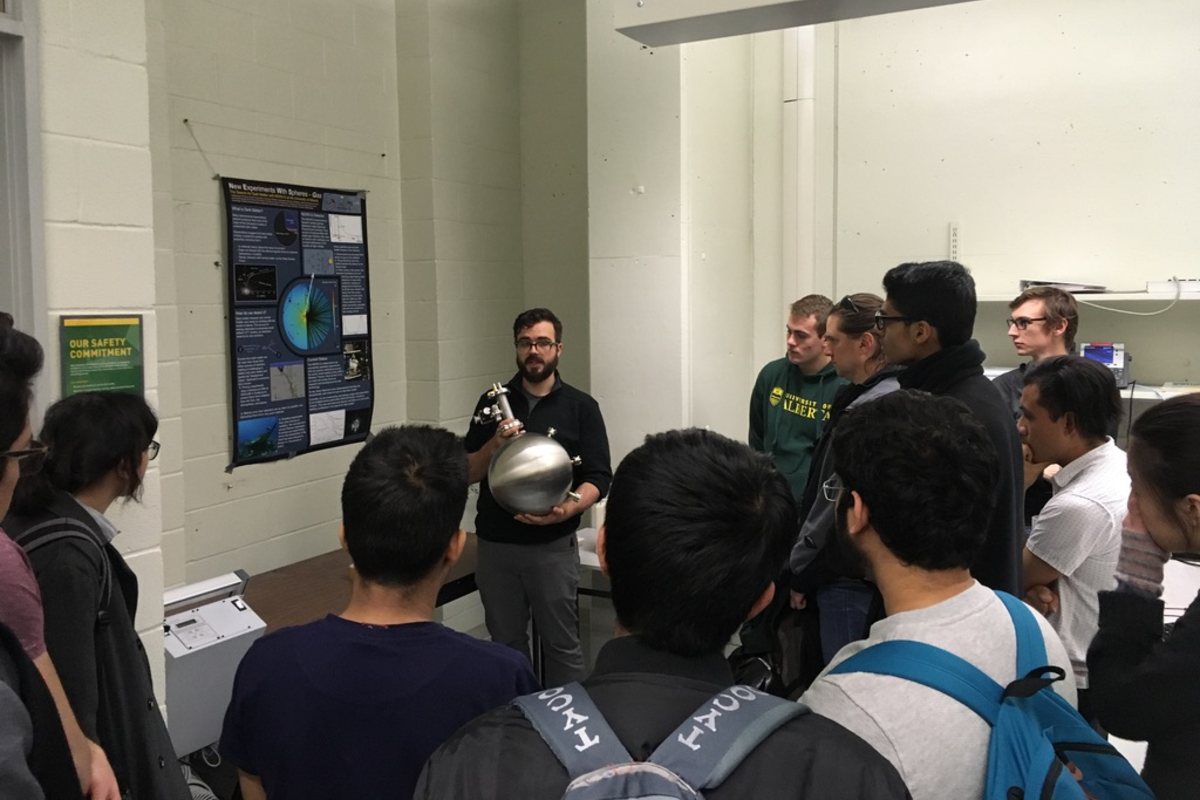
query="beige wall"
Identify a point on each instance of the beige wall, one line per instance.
(99, 241)
(302, 92)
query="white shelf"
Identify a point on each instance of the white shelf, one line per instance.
(1108, 297)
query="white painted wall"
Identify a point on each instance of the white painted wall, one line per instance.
(99, 243)
(638, 271)
(460, 129)
(1059, 133)
(305, 92)
(554, 172)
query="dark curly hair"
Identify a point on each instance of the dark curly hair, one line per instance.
(926, 469)
(89, 435)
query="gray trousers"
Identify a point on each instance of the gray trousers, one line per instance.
(515, 579)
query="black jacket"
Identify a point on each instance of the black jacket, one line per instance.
(1145, 688)
(958, 372)
(100, 657)
(48, 761)
(578, 427)
(816, 513)
(644, 694)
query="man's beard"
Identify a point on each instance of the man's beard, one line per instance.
(842, 540)
(535, 369)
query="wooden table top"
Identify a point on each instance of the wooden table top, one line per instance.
(310, 589)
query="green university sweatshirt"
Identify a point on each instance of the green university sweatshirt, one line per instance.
(788, 410)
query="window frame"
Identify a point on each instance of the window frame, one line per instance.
(22, 242)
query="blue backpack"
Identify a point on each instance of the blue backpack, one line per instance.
(698, 755)
(1035, 733)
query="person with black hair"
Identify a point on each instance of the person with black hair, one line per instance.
(696, 528)
(1068, 405)
(529, 563)
(926, 323)
(918, 540)
(21, 602)
(1144, 678)
(352, 705)
(99, 445)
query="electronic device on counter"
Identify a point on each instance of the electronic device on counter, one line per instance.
(207, 629)
(1113, 356)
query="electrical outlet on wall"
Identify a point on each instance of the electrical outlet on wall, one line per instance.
(955, 241)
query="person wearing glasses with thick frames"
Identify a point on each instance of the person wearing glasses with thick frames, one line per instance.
(1042, 323)
(100, 445)
(846, 602)
(793, 395)
(529, 563)
(926, 322)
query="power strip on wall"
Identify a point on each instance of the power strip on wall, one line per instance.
(1186, 286)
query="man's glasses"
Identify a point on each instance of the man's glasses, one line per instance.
(30, 459)
(832, 489)
(525, 345)
(846, 304)
(152, 449)
(882, 320)
(1022, 323)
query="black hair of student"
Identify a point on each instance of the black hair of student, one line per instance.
(20, 361)
(532, 317)
(402, 502)
(89, 435)
(1164, 454)
(1078, 386)
(941, 293)
(697, 527)
(925, 468)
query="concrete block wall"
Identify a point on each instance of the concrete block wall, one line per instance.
(460, 135)
(98, 217)
(554, 172)
(301, 91)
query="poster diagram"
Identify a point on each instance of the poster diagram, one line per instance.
(299, 318)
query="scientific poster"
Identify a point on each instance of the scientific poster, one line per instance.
(299, 318)
(101, 353)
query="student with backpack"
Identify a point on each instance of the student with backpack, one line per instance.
(99, 445)
(956, 685)
(1145, 683)
(696, 528)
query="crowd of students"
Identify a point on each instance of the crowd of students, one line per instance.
(908, 518)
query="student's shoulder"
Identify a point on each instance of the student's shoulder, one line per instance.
(483, 651)
(830, 749)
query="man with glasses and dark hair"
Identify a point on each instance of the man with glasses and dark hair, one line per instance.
(793, 395)
(40, 739)
(926, 323)
(529, 563)
(913, 502)
(1043, 324)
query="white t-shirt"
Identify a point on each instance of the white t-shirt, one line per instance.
(938, 745)
(1078, 533)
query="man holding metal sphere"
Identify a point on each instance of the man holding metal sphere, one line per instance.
(529, 560)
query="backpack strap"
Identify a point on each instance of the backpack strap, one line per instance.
(713, 741)
(62, 529)
(1031, 648)
(932, 667)
(573, 728)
